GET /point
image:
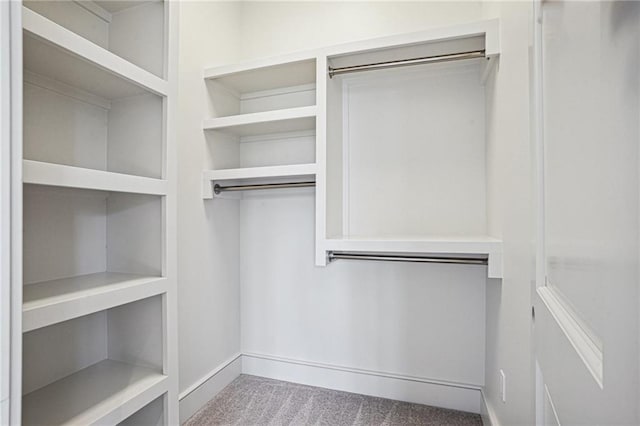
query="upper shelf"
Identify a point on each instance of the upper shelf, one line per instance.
(486, 32)
(262, 123)
(476, 41)
(267, 74)
(53, 51)
(486, 246)
(40, 173)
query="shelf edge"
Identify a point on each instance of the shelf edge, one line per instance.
(51, 174)
(46, 314)
(240, 120)
(267, 172)
(74, 44)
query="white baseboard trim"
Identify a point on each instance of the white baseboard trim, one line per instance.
(198, 394)
(486, 412)
(457, 396)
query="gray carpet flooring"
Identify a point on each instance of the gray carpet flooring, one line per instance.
(251, 400)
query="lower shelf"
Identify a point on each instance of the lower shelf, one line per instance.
(485, 246)
(50, 302)
(253, 175)
(107, 393)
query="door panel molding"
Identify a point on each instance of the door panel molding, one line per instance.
(588, 350)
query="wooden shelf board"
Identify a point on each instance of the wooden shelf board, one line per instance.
(54, 301)
(460, 245)
(262, 172)
(489, 29)
(106, 393)
(266, 74)
(41, 173)
(262, 123)
(55, 52)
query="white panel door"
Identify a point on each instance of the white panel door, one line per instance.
(588, 88)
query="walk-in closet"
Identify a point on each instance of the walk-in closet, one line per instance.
(312, 212)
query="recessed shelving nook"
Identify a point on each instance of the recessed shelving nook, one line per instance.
(262, 124)
(406, 155)
(87, 250)
(131, 30)
(97, 208)
(99, 368)
(86, 107)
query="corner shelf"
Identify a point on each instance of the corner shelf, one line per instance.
(41, 173)
(105, 393)
(266, 74)
(255, 174)
(60, 54)
(54, 301)
(487, 246)
(260, 123)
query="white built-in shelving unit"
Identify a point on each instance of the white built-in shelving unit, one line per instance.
(97, 251)
(262, 124)
(399, 156)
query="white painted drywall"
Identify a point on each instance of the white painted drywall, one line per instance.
(414, 320)
(509, 171)
(414, 144)
(208, 238)
(272, 28)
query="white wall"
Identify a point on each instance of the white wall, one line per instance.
(425, 322)
(510, 215)
(208, 290)
(271, 28)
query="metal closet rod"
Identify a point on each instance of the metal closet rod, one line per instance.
(408, 258)
(474, 54)
(217, 189)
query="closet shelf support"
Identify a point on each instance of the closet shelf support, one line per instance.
(475, 54)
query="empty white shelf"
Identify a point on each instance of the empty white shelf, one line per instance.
(60, 54)
(50, 302)
(262, 172)
(41, 173)
(106, 393)
(457, 245)
(485, 246)
(266, 74)
(256, 174)
(262, 123)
